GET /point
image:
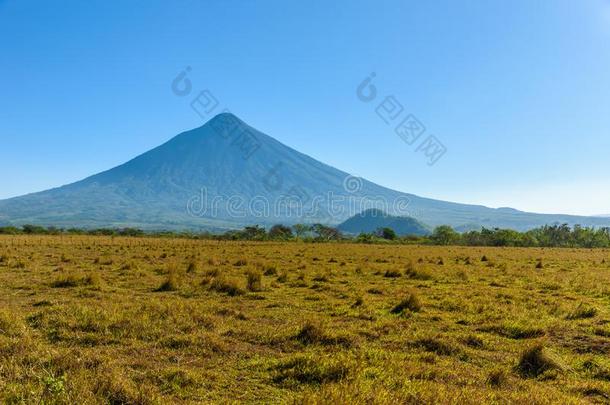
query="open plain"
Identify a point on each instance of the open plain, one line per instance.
(152, 320)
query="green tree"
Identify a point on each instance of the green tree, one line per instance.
(444, 235)
(386, 233)
(301, 229)
(325, 233)
(280, 232)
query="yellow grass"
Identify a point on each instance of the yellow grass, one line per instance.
(120, 320)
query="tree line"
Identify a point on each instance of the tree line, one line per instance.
(545, 236)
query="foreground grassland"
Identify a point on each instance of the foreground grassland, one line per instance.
(112, 320)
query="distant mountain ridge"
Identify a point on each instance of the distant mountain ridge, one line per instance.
(226, 174)
(372, 219)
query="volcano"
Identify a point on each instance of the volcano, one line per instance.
(226, 174)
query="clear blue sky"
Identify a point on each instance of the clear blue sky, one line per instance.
(518, 91)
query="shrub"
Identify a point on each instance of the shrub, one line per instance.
(533, 362)
(280, 232)
(411, 302)
(254, 280)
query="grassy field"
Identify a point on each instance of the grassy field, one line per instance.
(126, 320)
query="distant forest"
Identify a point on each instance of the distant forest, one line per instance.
(546, 236)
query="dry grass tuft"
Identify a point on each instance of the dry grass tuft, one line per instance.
(497, 378)
(415, 272)
(172, 281)
(254, 280)
(314, 333)
(582, 311)
(392, 274)
(410, 302)
(227, 286)
(311, 371)
(66, 281)
(534, 362)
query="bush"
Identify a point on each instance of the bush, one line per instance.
(280, 232)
